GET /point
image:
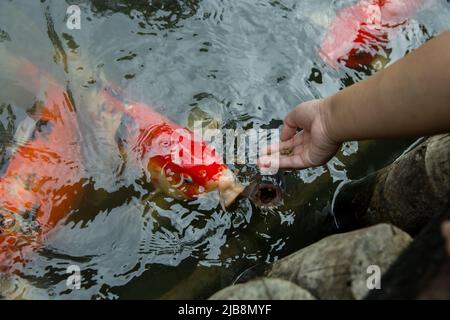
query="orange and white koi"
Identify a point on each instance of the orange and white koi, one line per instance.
(362, 31)
(44, 177)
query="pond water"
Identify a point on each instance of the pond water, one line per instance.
(246, 63)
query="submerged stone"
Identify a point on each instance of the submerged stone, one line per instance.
(263, 289)
(198, 117)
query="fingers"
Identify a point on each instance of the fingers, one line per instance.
(276, 160)
(294, 148)
(289, 128)
(283, 155)
(294, 162)
(287, 132)
(284, 147)
(300, 117)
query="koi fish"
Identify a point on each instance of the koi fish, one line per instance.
(178, 163)
(44, 177)
(361, 32)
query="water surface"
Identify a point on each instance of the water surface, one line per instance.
(246, 63)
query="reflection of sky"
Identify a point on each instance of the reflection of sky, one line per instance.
(244, 63)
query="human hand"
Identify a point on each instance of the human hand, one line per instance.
(313, 146)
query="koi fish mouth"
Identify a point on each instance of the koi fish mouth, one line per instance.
(265, 192)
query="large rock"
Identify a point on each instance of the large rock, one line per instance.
(407, 193)
(336, 267)
(263, 289)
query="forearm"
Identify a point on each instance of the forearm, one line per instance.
(409, 98)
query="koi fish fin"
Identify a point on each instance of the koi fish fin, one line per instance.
(152, 195)
(24, 132)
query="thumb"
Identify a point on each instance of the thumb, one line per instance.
(289, 126)
(300, 117)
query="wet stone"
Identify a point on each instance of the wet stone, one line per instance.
(344, 266)
(263, 289)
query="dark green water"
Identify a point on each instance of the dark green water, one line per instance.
(247, 63)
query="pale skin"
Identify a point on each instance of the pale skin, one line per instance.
(409, 98)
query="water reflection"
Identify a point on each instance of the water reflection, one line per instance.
(244, 64)
(159, 14)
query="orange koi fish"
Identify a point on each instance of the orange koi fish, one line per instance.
(361, 32)
(44, 177)
(178, 163)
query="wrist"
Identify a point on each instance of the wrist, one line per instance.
(328, 120)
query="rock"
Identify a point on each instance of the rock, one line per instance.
(263, 289)
(336, 267)
(311, 227)
(423, 269)
(407, 193)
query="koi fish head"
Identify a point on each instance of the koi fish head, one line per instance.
(184, 166)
